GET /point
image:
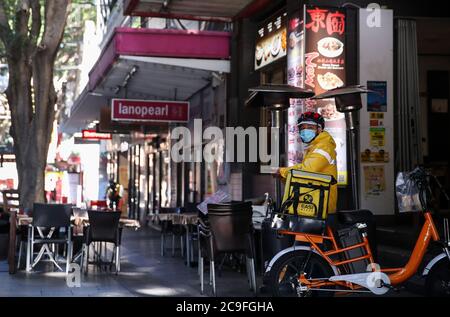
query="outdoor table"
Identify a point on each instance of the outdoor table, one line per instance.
(188, 220)
(24, 220)
(184, 219)
(17, 220)
(176, 218)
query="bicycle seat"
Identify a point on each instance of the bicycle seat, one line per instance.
(351, 217)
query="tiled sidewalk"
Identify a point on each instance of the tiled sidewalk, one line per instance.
(143, 273)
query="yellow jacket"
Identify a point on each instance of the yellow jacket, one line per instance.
(320, 157)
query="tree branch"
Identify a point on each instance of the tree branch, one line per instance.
(36, 21)
(55, 20)
(22, 16)
(5, 30)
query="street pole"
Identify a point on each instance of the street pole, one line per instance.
(352, 143)
(277, 122)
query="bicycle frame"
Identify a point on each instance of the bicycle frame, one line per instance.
(396, 275)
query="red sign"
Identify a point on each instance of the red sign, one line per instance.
(94, 135)
(324, 48)
(333, 22)
(149, 110)
(324, 69)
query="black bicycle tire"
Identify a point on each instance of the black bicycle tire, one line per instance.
(433, 275)
(273, 274)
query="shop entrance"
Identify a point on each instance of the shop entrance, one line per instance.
(434, 78)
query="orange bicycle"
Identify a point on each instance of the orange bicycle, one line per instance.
(319, 265)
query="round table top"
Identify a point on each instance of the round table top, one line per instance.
(177, 219)
(24, 220)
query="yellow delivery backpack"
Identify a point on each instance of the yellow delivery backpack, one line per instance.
(305, 202)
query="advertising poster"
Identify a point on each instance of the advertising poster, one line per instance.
(378, 137)
(271, 44)
(374, 179)
(377, 101)
(295, 63)
(375, 157)
(376, 119)
(324, 69)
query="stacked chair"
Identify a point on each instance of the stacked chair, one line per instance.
(227, 229)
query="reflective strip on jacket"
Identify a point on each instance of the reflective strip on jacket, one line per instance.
(320, 157)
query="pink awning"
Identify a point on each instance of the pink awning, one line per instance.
(160, 43)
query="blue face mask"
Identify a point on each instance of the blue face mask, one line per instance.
(307, 135)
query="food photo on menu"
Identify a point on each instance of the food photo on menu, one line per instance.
(259, 54)
(329, 81)
(271, 47)
(330, 47)
(276, 45)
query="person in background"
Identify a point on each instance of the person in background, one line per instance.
(114, 194)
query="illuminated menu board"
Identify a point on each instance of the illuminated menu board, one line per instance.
(271, 42)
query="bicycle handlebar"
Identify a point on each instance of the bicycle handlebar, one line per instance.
(421, 177)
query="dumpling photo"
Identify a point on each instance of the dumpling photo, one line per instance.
(329, 81)
(330, 47)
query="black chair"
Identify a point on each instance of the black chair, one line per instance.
(48, 220)
(229, 229)
(103, 227)
(22, 239)
(4, 235)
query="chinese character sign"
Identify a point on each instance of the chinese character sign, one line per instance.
(336, 23)
(324, 48)
(329, 20)
(324, 69)
(317, 17)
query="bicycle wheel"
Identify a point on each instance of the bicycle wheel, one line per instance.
(438, 280)
(283, 281)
